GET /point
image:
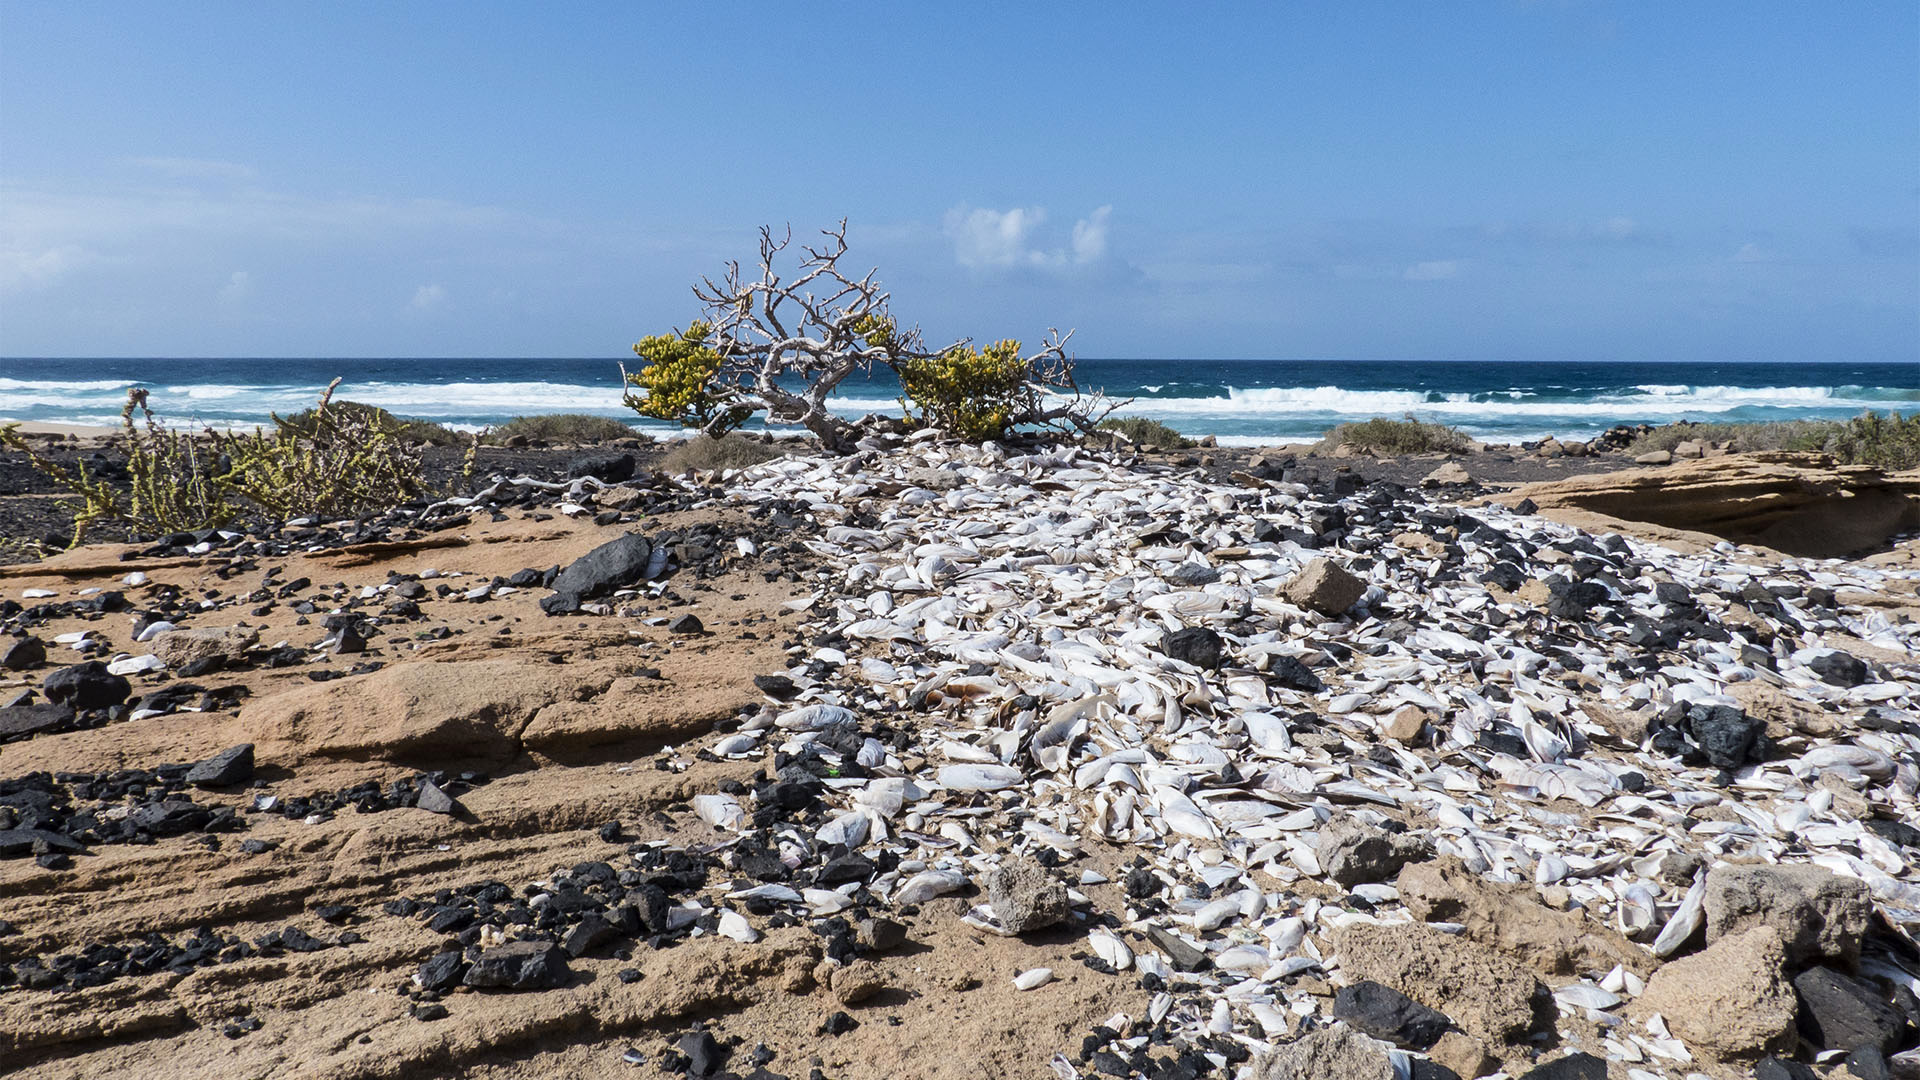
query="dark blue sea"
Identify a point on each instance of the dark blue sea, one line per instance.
(1239, 401)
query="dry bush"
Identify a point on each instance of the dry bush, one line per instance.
(704, 453)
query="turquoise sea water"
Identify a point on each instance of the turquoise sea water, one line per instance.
(1239, 401)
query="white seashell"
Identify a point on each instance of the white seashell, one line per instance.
(1212, 916)
(135, 665)
(1584, 995)
(1685, 920)
(1246, 958)
(979, 777)
(814, 717)
(1860, 759)
(1111, 949)
(735, 926)
(849, 829)
(928, 884)
(153, 630)
(721, 811)
(37, 594)
(1032, 979)
(736, 744)
(772, 890)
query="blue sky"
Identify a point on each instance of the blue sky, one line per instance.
(1524, 181)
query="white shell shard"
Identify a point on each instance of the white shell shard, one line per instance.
(136, 665)
(721, 811)
(1685, 920)
(1111, 949)
(928, 884)
(849, 829)
(735, 926)
(814, 717)
(972, 777)
(1033, 979)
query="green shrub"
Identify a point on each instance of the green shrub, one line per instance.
(418, 431)
(327, 461)
(972, 394)
(679, 382)
(1144, 432)
(704, 453)
(172, 486)
(579, 428)
(1890, 440)
(1395, 437)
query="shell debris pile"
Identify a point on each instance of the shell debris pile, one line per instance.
(1136, 668)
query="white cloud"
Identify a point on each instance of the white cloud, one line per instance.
(236, 288)
(1753, 253)
(24, 266)
(1090, 236)
(427, 297)
(989, 239)
(1437, 270)
(195, 168)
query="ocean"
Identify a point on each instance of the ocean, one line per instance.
(1241, 402)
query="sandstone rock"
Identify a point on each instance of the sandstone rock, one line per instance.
(1487, 994)
(1510, 917)
(1026, 896)
(1783, 713)
(621, 497)
(1818, 914)
(1689, 448)
(1336, 1051)
(1794, 503)
(1465, 1055)
(1450, 473)
(1356, 853)
(1325, 587)
(1654, 457)
(856, 982)
(224, 644)
(1731, 1000)
(424, 714)
(1406, 724)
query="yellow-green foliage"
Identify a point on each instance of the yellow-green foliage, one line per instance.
(172, 487)
(338, 463)
(335, 462)
(1891, 441)
(680, 384)
(970, 393)
(420, 431)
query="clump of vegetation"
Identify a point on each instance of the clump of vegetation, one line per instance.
(172, 482)
(576, 428)
(705, 453)
(328, 462)
(1147, 433)
(970, 393)
(681, 382)
(305, 422)
(779, 343)
(1396, 437)
(1890, 440)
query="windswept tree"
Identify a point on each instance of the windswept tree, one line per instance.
(780, 345)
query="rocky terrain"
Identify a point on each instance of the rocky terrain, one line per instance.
(958, 761)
